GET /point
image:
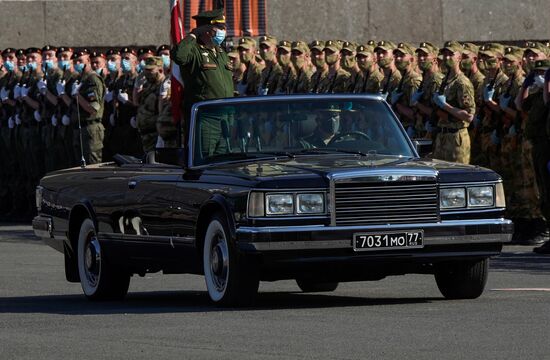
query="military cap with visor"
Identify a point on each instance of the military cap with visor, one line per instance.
(493, 50)
(268, 40)
(427, 48)
(536, 48)
(300, 46)
(452, 46)
(405, 49)
(470, 48)
(285, 45)
(20, 52)
(317, 44)
(33, 50)
(212, 17)
(349, 46)
(364, 50)
(513, 53)
(112, 52)
(542, 64)
(247, 43)
(63, 49)
(96, 54)
(385, 46)
(8, 51)
(333, 45)
(163, 48)
(153, 62)
(144, 51)
(49, 48)
(128, 50)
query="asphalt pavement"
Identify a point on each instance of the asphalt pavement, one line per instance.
(169, 316)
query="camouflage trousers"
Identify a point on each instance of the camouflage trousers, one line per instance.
(92, 142)
(454, 147)
(490, 153)
(518, 173)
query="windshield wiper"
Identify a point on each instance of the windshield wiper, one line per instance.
(251, 155)
(332, 150)
(277, 153)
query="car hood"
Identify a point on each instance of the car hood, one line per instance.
(316, 171)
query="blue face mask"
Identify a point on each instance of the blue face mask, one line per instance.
(22, 68)
(219, 37)
(99, 71)
(141, 66)
(32, 66)
(126, 65)
(166, 61)
(79, 68)
(65, 65)
(112, 66)
(49, 64)
(9, 65)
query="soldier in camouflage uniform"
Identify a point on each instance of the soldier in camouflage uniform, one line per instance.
(370, 80)
(272, 72)
(237, 68)
(251, 80)
(410, 82)
(348, 62)
(386, 62)
(301, 84)
(148, 107)
(458, 105)
(88, 94)
(318, 60)
(425, 110)
(289, 73)
(337, 80)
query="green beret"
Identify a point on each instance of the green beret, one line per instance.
(492, 50)
(385, 46)
(405, 49)
(247, 43)
(316, 44)
(211, 17)
(427, 48)
(300, 46)
(452, 46)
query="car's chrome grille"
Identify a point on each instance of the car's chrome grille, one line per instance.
(385, 203)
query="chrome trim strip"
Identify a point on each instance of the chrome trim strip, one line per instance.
(154, 239)
(473, 183)
(473, 211)
(322, 228)
(345, 244)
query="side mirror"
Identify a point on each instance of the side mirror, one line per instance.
(424, 147)
(171, 156)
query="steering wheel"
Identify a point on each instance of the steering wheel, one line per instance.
(357, 134)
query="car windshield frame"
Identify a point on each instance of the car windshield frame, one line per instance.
(287, 99)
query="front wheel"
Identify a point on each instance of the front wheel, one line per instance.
(462, 280)
(99, 280)
(231, 279)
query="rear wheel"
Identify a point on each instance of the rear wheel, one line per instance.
(314, 286)
(465, 280)
(231, 279)
(99, 280)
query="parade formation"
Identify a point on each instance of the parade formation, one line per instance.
(484, 105)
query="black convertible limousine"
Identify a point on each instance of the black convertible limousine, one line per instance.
(318, 188)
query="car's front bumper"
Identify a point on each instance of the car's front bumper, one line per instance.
(318, 237)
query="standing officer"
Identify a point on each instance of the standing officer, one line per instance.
(251, 80)
(289, 73)
(386, 62)
(272, 72)
(337, 79)
(458, 105)
(493, 87)
(300, 59)
(370, 80)
(148, 106)
(204, 65)
(318, 60)
(421, 100)
(410, 82)
(88, 95)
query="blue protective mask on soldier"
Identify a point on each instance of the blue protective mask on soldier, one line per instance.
(65, 65)
(141, 66)
(112, 66)
(166, 61)
(539, 81)
(79, 68)
(22, 68)
(219, 37)
(49, 64)
(99, 71)
(126, 65)
(32, 66)
(9, 65)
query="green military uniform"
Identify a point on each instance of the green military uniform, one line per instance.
(92, 89)
(392, 78)
(301, 84)
(336, 81)
(370, 80)
(491, 120)
(289, 73)
(49, 129)
(252, 77)
(272, 72)
(64, 144)
(348, 62)
(148, 108)
(409, 84)
(321, 71)
(453, 141)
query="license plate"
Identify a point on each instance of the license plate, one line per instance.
(388, 241)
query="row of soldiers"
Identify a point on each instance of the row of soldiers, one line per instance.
(62, 108)
(485, 105)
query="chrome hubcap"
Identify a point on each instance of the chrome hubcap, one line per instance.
(92, 260)
(219, 262)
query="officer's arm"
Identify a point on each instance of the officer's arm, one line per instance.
(31, 102)
(520, 98)
(92, 99)
(182, 54)
(52, 99)
(466, 100)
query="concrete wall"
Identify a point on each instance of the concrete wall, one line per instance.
(99, 23)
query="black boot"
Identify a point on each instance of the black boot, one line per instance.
(534, 232)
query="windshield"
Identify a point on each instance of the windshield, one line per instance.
(248, 130)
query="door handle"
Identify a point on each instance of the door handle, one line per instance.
(132, 184)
